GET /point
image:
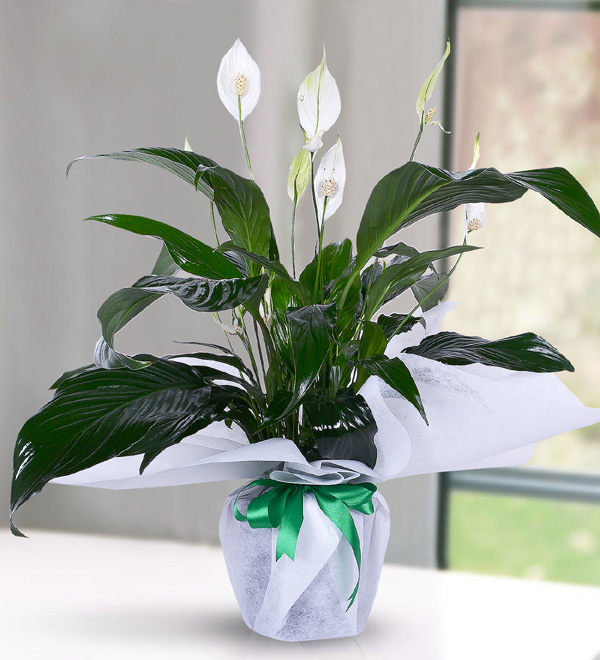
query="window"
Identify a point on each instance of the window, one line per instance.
(527, 76)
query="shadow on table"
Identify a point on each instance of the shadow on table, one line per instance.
(225, 629)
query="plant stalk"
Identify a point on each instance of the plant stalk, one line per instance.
(243, 136)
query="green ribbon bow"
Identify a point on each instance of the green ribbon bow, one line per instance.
(281, 506)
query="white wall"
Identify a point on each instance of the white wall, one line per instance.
(83, 76)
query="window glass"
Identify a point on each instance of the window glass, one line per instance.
(525, 537)
(529, 82)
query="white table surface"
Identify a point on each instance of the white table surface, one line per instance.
(78, 597)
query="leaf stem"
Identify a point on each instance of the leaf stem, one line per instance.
(260, 352)
(293, 231)
(312, 186)
(246, 340)
(243, 136)
(419, 134)
(435, 288)
(214, 224)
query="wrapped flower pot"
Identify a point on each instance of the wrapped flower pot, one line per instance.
(320, 389)
(319, 591)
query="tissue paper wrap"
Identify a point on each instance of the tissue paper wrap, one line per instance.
(304, 599)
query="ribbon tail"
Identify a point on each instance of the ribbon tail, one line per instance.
(340, 516)
(289, 525)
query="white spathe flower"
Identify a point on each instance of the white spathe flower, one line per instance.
(474, 217)
(319, 104)
(330, 180)
(474, 213)
(186, 145)
(238, 81)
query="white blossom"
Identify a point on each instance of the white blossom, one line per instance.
(330, 180)
(319, 104)
(238, 81)
(474, 217)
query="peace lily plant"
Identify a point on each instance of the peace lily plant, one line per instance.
(298, 348)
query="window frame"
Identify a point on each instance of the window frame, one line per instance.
(521, 482)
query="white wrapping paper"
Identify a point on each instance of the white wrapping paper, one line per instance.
(478, 417)
(307, 598)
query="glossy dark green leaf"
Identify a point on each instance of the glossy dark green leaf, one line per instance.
(120, 307)
(102, 413)
(243, 210)
(229, 359)
(336, 258)
(227, 249)
(203, 294)
(399, 277)
(430, 290)
(182, 163)
(392, 324)
(106, 357)
(343, 428)
(400, 249)
(526, 352)
(348, 313)
(189, 253)
(415, 191)
(396, 374)
(164, 264)
(372, 341)
(104, 354)
(310, 330)
(296, 287)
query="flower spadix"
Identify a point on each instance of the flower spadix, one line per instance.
(319, 104)
(330, 180)
(474, 216)
(238, 81)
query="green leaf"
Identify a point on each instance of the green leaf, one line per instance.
(296, 287)
(180, 162)
(415, 191)
(164, 264)
(423, 287)
(229, 359)
(310, 330)
(203, 294)
(189, 253)
(372, 342)
(102, 413)
(106, 357)
(104, 353)
(401, 249)
(396, 374)
(398, 277)
(429, 84)
(348, 313)
(343, 428)
(390, 323)
(335, 260)
(120, 307)
(243, 210)
(525, 352)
